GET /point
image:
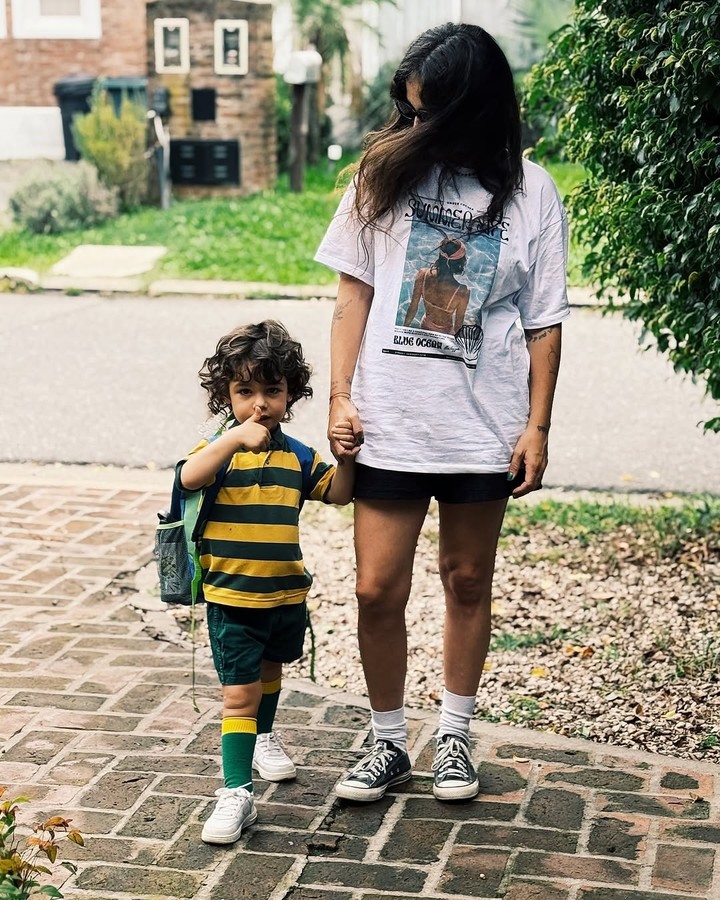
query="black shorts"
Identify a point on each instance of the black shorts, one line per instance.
(464, 487)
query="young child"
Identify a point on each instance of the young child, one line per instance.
(255, 583)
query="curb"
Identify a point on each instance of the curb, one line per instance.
(29, 281)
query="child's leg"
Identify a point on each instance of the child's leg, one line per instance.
(239, 732)
(271, 759)
(271, 682)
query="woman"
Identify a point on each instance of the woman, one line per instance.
(462, 417)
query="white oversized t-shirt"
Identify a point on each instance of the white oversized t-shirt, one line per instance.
(447, 390)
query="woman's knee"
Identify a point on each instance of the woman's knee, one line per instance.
(465, 585)
(378, 597)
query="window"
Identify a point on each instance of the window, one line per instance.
(231, 47)
(172, 45)
(60, 8)
(61, 19)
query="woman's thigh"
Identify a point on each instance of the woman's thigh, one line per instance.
(386, 535)
(469, 534)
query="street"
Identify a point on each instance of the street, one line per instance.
(91, 379)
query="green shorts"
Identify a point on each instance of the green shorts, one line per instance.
(241, 638)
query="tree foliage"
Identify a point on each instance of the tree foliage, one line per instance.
(633, 89)
(535, 21)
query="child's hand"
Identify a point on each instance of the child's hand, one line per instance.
(251, 435)
(347, 445)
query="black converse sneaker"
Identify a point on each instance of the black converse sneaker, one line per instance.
(455, 776)
(383, 766)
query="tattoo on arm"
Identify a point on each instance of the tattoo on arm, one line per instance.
(553, 362)
(543, 429)
(340, 307)
(532, 336)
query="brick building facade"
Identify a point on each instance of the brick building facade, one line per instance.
(214, 106)
(41, 41)
(221, 92)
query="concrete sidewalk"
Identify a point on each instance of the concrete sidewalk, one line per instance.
(98, 724)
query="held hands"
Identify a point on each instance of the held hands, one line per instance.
(252, 435)
(531, 452)
(343, 437)
(345, 432)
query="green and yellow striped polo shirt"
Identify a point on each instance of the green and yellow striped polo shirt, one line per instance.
(250, 549)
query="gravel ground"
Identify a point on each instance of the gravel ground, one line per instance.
(604, 641)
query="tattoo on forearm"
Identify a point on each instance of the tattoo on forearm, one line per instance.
(532, 336)
(544, 429)
(341, 384)
(553, 362)
(340, 307)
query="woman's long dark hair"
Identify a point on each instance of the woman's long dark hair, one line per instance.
(474, 123)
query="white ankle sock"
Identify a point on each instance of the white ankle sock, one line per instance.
(455, 715)
(390, 726)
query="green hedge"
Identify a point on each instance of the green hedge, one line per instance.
(633, 91)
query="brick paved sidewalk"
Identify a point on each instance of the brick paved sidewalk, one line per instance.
(98, 725)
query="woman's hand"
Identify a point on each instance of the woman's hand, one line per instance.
(531, 452)
(343, 436)
(345, 431)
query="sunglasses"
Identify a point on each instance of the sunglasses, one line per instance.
(408, 111)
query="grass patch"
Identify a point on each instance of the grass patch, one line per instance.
(662, 530)
(510, 640)
(268, 237)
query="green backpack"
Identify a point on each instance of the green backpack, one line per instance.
(177, 539)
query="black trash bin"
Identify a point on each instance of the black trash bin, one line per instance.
(134, 88)
(73, 95)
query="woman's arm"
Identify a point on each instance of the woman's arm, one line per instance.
(531, 450)
(352, 308)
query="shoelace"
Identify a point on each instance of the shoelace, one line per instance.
(376, 760)
(451, 755)
(230, 802)
(270, 744)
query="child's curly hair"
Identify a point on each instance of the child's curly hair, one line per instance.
(265, 352)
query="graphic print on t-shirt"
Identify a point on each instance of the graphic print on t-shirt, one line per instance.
(450, 265)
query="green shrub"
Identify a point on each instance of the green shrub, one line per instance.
(115, 143)
(62, 198)
(633, 90)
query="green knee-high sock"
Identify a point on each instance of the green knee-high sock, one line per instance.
(268, 705)
(238, 743)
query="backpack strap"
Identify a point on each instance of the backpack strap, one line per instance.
(205, 500)
(306, 457)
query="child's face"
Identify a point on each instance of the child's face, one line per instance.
(270, 400)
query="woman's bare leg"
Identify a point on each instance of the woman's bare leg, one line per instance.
(468, 542)
(386, 534)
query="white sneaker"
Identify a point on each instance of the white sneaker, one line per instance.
(234, 810)
(270, 759)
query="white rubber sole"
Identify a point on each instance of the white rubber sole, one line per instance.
(463, 792)
(207, 837)
(367, 795)
(269, 775)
